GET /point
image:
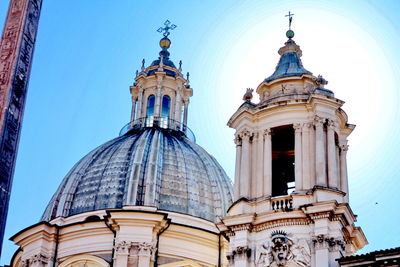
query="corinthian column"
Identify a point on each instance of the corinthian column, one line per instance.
(306, 155)
(332, 164)
(245, 167)
(344, 185)
(238, 143)
(320, 164)
(298, 157)
(267, 163)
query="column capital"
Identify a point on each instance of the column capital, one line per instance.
(318, 121)
(267, 132)
(344, 147)
(237, 140)
(39, 258)
(245, 135)
(331, 124)
(297, 127)
(146, 248)
(306, 126)
(123, 247)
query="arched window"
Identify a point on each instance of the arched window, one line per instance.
(150, 111)
(150, 106)
(166, 105)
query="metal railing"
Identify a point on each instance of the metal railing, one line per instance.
(158, 122)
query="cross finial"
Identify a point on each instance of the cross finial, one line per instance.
(165, 30)
(290, 15)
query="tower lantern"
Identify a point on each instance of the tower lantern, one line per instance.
(160, 93)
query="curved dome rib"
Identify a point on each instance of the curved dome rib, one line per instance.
(147, 167)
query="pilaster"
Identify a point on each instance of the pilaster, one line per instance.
(320, 163)
(298, 157)
(306, 156)
(267, 163)
(332, 164)
(238, 142)
(245, 168)
(344, 184)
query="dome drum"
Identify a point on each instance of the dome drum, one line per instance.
(160, 122)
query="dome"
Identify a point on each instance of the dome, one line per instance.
(145, 167)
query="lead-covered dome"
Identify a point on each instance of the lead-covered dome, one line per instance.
(145, 167)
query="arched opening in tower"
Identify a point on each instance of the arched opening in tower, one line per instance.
(282, 160)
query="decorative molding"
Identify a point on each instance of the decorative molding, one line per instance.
(238, 140)
(344, 148)
(331, 124)
(297, 127)
(242, 227)
(267, 133)
(123, 247)
(245, 135)
(318, 121)
(326, 242)
(321, 215)
(281, 223)
(146, 249)
(39, 258)
(240, 252)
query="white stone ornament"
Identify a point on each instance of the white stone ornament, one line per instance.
(283, 251)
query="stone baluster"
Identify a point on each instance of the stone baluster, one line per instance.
(267, 163)
(306, 155)
(238, 142)
(332, 164)
(245, 168)
(298, 157)
(320, 163)
(344, 185)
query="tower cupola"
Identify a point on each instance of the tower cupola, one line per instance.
(160, 93)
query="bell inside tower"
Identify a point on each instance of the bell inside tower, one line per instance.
(282, 160)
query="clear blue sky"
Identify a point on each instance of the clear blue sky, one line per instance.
(87, 53)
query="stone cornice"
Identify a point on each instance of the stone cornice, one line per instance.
(280, 223)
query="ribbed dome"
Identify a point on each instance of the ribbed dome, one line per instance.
(150, 167)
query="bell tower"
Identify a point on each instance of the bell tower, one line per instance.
(291, 184)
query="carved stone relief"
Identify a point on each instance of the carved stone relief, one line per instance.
(281, 250)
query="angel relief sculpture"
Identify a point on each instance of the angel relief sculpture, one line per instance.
(281, 250)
